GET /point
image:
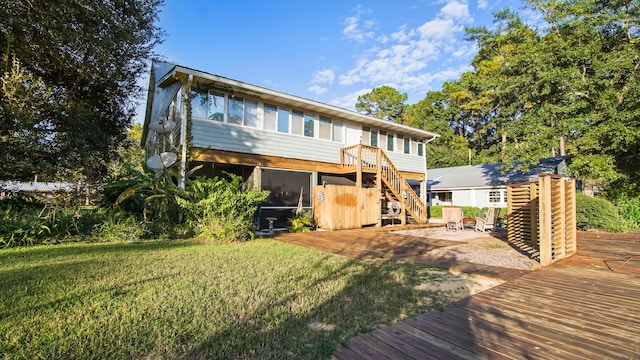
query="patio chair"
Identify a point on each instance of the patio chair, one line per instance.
(393, 211)
(489, 222)
(452, 216)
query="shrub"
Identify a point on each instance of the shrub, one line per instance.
(629, 208)
(222, 208)
(468, 211)
(595, 213)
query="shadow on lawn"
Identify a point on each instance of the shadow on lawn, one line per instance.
(369, 300)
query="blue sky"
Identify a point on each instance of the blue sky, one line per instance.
(331, 50)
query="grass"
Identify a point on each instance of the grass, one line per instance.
(161, 299)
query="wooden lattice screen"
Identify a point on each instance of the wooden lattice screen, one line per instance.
(541, 217)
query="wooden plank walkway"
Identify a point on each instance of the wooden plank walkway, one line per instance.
(584, 307)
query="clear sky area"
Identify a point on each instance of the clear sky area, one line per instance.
(330, 50)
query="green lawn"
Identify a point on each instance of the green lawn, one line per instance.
(167, 299)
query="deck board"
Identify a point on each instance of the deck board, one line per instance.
(577, 308)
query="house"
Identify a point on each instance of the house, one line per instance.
(279, 142)
(484, 185)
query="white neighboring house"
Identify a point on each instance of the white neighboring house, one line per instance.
(483, 185)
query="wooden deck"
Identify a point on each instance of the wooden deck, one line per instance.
(583, 307)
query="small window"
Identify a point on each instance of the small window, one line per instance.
(236, 108)
(366, 135)
(414, 146)
(390, 142)
(199, 104)
(251, 117)
(309, 123)
(495, 196)
(216, 107)
(270, 117)
(325, 128)
(283, 120)
(337, 130)
(420, 149)
(407, 146)
(297, 123)
(374, 137)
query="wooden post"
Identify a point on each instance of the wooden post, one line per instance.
(571, 213)
(379, 184)
(359, 203)
(562, 227)
(534, 206)
(545, 220)
(403, 204)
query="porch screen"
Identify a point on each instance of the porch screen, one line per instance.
(285, 187)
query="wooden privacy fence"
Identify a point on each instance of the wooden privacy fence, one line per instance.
(542, 216)
(338, 207)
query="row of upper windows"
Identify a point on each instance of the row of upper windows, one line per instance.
(392, 142)
(251, 113)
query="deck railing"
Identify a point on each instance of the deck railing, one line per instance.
(373, 159)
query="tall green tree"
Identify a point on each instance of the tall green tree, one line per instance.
(69, 83)
(384, 102)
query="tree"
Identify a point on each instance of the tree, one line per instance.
(69, 83)
(383, 102)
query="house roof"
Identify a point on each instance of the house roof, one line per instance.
(489, 175)
(165, 73)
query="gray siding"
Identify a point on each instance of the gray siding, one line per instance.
(406, 162)
(220, 136)
(241, 139)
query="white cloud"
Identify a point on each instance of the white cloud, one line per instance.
(349, 101)
(439, 29)
(317, 89)
(456, 10)
(323, 77)
(483, 4)
(356, 30)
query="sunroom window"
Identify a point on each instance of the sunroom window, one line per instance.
(297, 123)
(270, 117)
(283, 120)
(309, 123)
(251, 115)
(236, 108)
(325, 128)
(337, 131)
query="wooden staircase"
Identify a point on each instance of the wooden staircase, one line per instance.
(389, 180)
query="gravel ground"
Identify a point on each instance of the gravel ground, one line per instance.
(477, 248)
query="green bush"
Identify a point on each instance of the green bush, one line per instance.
(598, 214)
(222, 208)
(468, 211)
(629, 208)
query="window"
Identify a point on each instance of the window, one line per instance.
(407, 146)
(399, 143)
(390, 142)
(283, 120)
(251, 117)
(420, 149)
(414, 146)
(199, 104)
(236, 108)
(383, 138)
(337, 130)
(270, 117)
(309, 123)
(297, 125)
(215, 110)
(366, 135)
(374, 137)
(325, 128)
(495, 196)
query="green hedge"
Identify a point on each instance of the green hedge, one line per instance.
(468, 211)
(598, 214)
